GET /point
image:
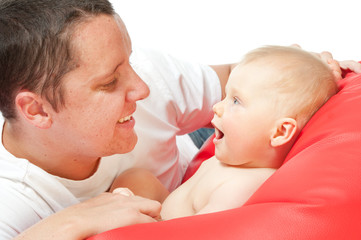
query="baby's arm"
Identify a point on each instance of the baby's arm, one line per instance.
(236, 191)
(142, 183)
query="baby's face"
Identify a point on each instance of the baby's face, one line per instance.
(245, 118)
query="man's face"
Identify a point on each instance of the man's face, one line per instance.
(101, 93)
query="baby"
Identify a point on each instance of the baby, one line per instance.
(270, 96)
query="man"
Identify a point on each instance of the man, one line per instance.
(68, 96)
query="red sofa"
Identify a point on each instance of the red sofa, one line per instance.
(316, 194)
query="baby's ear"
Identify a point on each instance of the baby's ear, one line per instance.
(31, 107)
(283, 132)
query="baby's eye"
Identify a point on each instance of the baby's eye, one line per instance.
(235, 101)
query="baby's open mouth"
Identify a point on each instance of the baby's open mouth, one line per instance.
(218, 133)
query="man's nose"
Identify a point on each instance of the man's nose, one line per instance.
(139, 89)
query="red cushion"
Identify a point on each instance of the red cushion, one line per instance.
(316, 194)
(206, 151)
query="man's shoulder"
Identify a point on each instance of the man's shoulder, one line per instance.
(17, 212)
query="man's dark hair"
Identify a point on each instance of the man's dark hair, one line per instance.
(35, 47)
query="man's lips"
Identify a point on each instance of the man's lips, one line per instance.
(125, 119)
(127, 122)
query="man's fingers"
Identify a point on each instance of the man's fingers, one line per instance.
(123, 191)
(295, 45)
(143, 205)
(326, 56)
(351, 65)
(335, 67)
(151, 208)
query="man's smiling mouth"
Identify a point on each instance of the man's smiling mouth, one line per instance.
(125, 119)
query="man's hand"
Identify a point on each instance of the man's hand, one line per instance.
(351, 65)
(104, 212)
(336, 66)
(332, 63)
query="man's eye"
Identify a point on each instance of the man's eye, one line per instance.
(109, 85)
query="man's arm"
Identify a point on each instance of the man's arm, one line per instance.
(99, 214)
(141, 182)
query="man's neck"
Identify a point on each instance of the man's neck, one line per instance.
(39, 152)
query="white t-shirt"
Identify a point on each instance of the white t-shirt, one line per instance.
(180, 101)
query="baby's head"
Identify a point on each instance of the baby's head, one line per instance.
(270, 96)
(299, 81)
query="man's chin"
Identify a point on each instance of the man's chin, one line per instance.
(129, 145)
(123, 147)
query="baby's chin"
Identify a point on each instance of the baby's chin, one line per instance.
(226, 159)
(221, 157)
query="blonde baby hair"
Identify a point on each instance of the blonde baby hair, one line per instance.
(303, 83)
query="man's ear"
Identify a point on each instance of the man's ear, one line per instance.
(31, 107)
(283, 132)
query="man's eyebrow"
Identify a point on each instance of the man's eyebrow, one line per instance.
(105, 75)
(117, 67)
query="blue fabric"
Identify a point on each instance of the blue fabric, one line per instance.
(201, 135)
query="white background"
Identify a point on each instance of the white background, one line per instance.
(221, 31)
